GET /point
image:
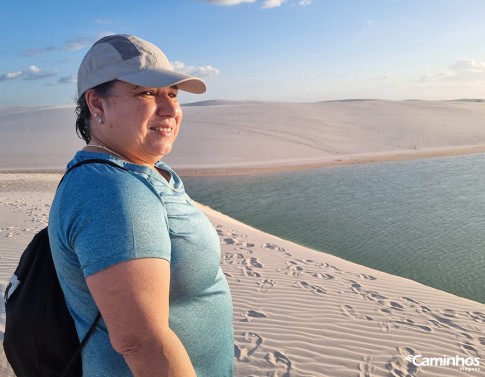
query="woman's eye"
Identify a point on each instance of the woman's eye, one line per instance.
(146, 94)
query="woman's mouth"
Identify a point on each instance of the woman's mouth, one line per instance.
(164, 130)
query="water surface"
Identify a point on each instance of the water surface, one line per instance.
(424, 220)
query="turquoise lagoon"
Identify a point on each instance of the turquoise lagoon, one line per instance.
(422, 219)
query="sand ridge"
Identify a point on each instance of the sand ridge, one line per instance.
(299, 312)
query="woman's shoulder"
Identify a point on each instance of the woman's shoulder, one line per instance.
(101, 175)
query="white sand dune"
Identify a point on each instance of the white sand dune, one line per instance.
(281, 133)
(228, 135)
(297, 312)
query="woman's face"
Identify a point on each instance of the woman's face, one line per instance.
(139, 123)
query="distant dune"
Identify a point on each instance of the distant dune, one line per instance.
(247, 135)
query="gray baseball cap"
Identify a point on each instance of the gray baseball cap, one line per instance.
(134, 60)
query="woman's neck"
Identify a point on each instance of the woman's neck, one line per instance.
(105, 149)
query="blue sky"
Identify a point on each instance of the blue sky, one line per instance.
(274, 50)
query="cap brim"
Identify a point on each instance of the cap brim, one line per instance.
(161, 78)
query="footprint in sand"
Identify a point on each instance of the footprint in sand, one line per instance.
(265, 285)
(472, 348)
(410, 323)
(323, 276)
(248, 271)
(229, 241)
(349, 311)
(280, 360)
(236, 258)
(419, 307)
(292, 269)
(441, 322)
(252, 264)
(368, 295)
(252, 314)
(8, 228)
(236, 241)
(386, 327)
(391, 306)
(13, 234)
(244, 250)
(272, 246)
(315, 289)
(450, 313)
(402, 365)
(306, 261)
(471, 345)
(366, 277)
(326, 265)
(366, 368)
(477, 316)
(244, 353)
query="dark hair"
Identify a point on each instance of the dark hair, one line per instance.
(84, 115)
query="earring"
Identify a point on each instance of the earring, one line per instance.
(100, 120)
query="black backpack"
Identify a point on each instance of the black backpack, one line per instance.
(40, 335)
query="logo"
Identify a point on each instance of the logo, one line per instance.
(466, 364)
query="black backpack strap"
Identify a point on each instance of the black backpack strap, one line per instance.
(77, 354)
(91, 161)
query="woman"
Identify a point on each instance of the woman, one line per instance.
(130, 243)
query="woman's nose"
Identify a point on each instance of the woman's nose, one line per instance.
(168, 106)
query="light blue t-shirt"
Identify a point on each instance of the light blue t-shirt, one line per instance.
(101, 216)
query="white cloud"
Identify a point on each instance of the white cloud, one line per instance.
(69, 45)
(33, 70)
(468, 66)
(77, 43)
(304, 3)
(31, 73)
(72, 79)
(228, 2)
(200, 71)
(463, 70)
(38, 51)
(267, 4)
(10, 75)
(35, 73)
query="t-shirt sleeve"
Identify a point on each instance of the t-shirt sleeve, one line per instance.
(115, 217)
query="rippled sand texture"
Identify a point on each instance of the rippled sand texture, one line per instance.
(299, 312)
(25, 201)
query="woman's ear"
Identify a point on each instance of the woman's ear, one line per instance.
(94, 102)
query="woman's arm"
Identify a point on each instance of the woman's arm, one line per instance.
(133, 299)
